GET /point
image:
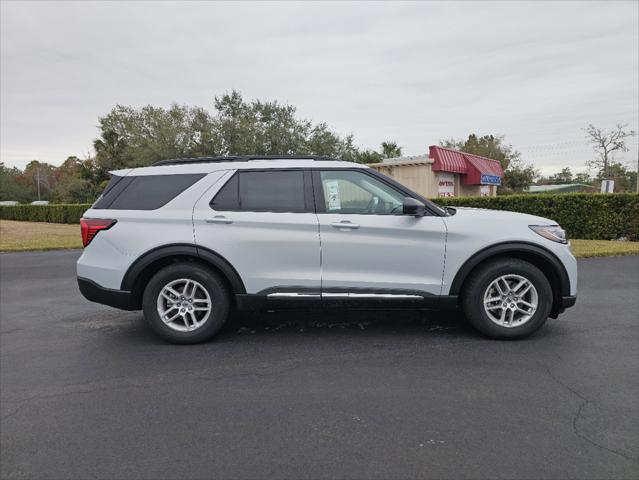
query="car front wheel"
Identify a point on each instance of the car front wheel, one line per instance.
(186, 303)
(507, 299)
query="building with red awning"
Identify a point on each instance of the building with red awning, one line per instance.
(445, 173)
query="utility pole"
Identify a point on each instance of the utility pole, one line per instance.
(38, 177)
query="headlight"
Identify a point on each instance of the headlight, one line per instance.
(551, 232)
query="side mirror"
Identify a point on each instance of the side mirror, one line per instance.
(413, 207)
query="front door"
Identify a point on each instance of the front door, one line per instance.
(368, 246)
(263, 223)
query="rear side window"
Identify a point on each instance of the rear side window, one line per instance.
(145, 192)
(263, 191)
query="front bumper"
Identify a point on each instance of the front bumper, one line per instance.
(107, 296)
(560, 306)
(567, 302)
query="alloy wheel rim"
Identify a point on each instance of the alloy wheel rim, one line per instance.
(184, 305)
(510, 300)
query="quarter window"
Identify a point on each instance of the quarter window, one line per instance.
(228, 198)
(349, 192)
(144, 192)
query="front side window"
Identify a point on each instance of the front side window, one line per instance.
(350, 192)
(262, 191)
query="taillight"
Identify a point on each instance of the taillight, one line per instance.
(91, 226)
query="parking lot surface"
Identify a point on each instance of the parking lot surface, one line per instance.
(88, 392)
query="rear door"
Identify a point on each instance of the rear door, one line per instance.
(263, 223)
(368, 246)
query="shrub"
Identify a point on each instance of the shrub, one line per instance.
(67, 213)
(583, 215)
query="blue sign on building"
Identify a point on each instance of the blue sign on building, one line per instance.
(490, 179)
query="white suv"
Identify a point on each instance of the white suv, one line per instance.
(188, 240)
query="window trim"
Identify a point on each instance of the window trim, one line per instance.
(307, 186)
(320, 202)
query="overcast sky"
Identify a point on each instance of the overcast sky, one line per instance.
(416, 73)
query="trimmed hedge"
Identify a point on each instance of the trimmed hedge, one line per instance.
(64, 213)
(582, 215)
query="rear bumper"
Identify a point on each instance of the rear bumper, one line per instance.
(107, 296)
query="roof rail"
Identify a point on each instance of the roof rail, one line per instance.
(242, 158)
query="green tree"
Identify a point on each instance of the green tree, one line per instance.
(73, 185)
(271, 128)
(74, 181)
(564, 177)
(131, 137)
(38, 180)
(583, 178)
(489, 146)
(625, 180)
(517, 177)
(387, 150)
(10, 186)
(561, 178)
(110, 151)
(369, 156)
(391, 150)
(137, 137)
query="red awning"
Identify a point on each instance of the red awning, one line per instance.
(482, 171)
(447, 160)
(475, 170)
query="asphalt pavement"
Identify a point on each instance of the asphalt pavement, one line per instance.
(88, 392)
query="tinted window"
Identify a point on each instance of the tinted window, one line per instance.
(112, 190)
(358, 193)
(228, 198)
(265, 191)
(115, 179)
(145, 192)
(272, 191)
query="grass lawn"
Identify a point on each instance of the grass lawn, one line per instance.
(603, 248)
(26, 236)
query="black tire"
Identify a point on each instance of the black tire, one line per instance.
(215, 287)
(478, 283)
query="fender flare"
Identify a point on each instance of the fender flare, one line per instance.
(182, 250)
(504, 249)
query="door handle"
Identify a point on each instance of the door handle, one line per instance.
(345, 224)
(219, 219)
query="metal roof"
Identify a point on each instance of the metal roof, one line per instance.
(563, 186)
(398, 161)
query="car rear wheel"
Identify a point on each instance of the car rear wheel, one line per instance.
(186, 303)
(507, 299)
